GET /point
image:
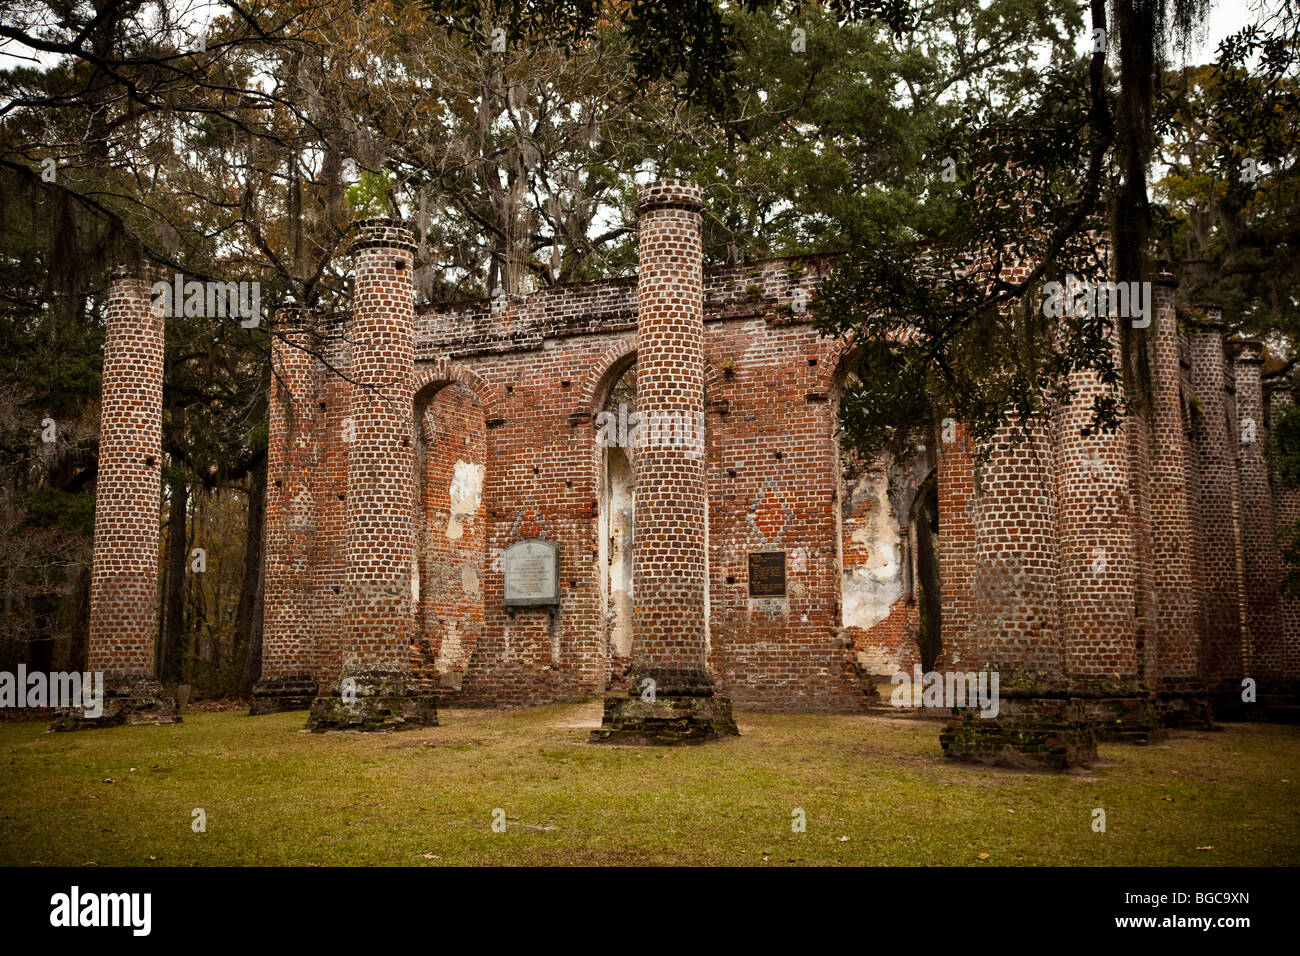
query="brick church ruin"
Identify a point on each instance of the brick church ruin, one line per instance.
(635, 487)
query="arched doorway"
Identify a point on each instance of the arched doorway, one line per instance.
(929, 595)
(451, 533)
(615, 432)
(884, 568)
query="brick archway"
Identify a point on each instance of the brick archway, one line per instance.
(601, 375)
(444, 372)
(834, 364)
(451, 461)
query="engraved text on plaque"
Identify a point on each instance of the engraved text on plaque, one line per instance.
(767, 574)
(532, 573)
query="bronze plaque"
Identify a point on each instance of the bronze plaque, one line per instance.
(767, 574)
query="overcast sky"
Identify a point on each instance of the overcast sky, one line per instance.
(1226, 17)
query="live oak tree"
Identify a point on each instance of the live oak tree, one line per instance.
(1073, 150)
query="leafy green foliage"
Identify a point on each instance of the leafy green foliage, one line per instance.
(368, 196)
(949, 326)
(1230, 216)
(73, 512)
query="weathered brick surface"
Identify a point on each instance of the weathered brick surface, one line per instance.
(124, 568)
(671, 573)
(670, 604)
(292, 592)
(124, 574)
(451, 532)
(1174, 557)
(1218, 516)
(1286, 507)
(381, 462)
(1261, 558)
(516, 387)
(957, 546)
(291, 615)
(1094, 519)
(378, 627)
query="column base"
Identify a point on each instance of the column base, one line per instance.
(128, 701)
(682, 710)
(1229, 706)
(1028, 733)
(1125, 720)
(372, 701)
(1056, 727)
(1186, 705)
(275, 695)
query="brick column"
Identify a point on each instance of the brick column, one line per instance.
(670, 571)
(955, 463)
(329, 554)
(124, 569)
(1014, 628)
(1175, 564)
(1100, 480)
(1012, 621)
(1015, 621)
(1259, 546)
(1286, 510)
(374, 691)
(1098, 568)
(291, 615)
(1218, 526)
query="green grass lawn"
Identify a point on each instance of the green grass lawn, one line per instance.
(875, 790)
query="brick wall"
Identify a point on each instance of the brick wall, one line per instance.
(451, 531)
(1061, 555)
(290, 624)
(880, 614)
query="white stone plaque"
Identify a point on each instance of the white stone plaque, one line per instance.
(532, 573)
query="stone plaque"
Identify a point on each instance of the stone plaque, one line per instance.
(767, 574)
(532, 572)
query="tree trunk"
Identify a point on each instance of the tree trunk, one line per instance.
(1136, 22)
(927, 566)
(248, 617)
(80, 642)
(253, 662)
(173, 638)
